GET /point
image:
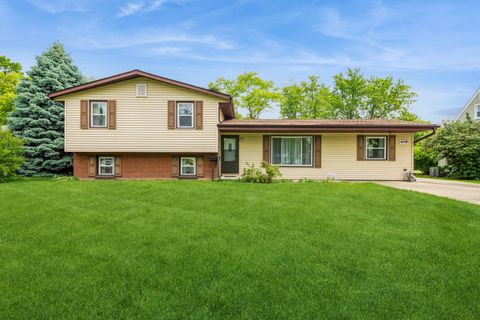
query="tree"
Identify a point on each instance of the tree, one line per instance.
(39, 120)
(250, 92)
(349, 94)
(10, 75)
(459, 144)
(11, 155)
(352, 97)
(309, 100)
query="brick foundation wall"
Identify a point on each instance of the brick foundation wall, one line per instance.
(140, 165)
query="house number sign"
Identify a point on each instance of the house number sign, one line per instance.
(403, 141)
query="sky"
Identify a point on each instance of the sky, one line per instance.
(432, 45)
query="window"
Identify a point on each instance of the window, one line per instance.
(188, 166)
(185, 114)
(376, 148)
(477, 111)
(141, 90)
(98, 111)
(106, 166)
(292, 151)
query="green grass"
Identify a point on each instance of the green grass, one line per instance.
(206, 250)
(446, 178)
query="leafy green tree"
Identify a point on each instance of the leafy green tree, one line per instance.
(11, 155)
(10, 75)
(309, 100)
(250, 93)
(459, 144)
(350, 92)
(39, 120)
(386, 98)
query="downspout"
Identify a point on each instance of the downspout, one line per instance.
(434, 130)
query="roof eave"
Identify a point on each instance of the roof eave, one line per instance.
(313, 129)
(131, 75)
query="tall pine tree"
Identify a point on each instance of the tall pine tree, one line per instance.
(39, 120)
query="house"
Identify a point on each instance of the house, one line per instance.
(472, 108)
(138, 125)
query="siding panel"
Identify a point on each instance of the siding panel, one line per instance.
(339, 159)
(142, 122)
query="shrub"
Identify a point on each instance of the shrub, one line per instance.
(265, 174)
(459, 144)
(424, 159)
(11, 155)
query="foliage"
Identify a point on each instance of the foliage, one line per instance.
(353, 96)
(309, 100)
(265, 174)
(11, 155)
(250, 92)
(39, 120)
(424, 158)
(66, 178)
(10, 75)
(459, 144)
(104, 249)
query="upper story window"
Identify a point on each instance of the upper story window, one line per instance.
(98, 111)
(477, 111)
(376, 148)
(184, 114)
(292, 151)
(141, 89)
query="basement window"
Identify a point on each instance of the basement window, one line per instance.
(188, 166)
(106, 166)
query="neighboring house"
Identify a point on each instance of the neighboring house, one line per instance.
(137, 125)
(472, 108)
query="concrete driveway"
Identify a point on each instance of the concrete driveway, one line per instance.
(463, 191)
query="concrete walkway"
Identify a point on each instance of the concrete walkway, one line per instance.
(463, 191)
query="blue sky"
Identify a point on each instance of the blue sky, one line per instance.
(433, 45)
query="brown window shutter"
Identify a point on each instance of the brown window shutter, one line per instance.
(266, 148)
(318, 151)
(391, 148)
(199, 115)
(171, 114)
(92, 166)
(360, 148)
(112, 114)
(118, 166)
(174, 166)
(200, 166)
(84, 114)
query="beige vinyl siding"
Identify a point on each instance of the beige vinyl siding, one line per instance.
(339, 158)
(470, 109)
(141, 121)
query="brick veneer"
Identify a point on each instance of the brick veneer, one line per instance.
(140, 165)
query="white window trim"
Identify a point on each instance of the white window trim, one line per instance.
(91, 114)
(476, 110)
(194, 166)
(193, 115)
(384, 147)
(99, 166)
(301, 152)
(146, 89)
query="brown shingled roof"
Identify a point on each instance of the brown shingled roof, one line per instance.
(339, 125)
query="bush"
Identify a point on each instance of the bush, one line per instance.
(459, 144)
(11, 155)
(265, 174)
(424, 159)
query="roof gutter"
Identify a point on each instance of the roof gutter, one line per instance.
(434, 130)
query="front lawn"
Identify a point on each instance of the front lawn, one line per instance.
(210, 250)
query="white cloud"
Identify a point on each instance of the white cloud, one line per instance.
(167, 50)
(129, 9)
(58, 6)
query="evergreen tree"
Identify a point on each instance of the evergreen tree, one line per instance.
(39, 120)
